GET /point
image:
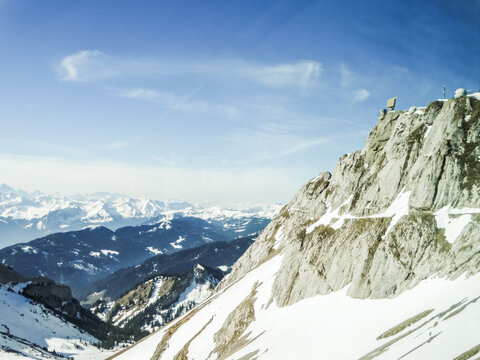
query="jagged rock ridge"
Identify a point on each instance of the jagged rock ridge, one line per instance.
(382, 255)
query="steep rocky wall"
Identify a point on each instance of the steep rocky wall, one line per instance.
(374, 223)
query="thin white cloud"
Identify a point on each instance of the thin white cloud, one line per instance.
(92, 65)
(82, 66)
(116, 145)
(173, 101)
(162, 160)
(301, 74)
(167, 98)
(271, 141)
(346, 76)
(361, 95)
(292, 148)
(138, 93)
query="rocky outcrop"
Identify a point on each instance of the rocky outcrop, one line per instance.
(41, 289)
(7, 274)
(48, 293)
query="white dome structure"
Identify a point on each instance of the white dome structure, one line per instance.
(460, 93)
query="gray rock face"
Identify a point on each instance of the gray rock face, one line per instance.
(379, 227)
(7, 274)
(53, 295)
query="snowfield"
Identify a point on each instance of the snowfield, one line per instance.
(27, 329)
(333, 326)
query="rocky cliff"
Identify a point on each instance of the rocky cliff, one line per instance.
(379, 259)
(404, 207)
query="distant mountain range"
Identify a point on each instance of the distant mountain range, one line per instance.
(25, 216)
(220, 255)
(79, 258)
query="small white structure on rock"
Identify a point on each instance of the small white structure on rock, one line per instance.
(459, 93)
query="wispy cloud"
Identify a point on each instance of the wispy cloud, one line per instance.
(116, 145)
(167, 98)
(346, 75)
(351, 84)
(162, 160)
(302, 74)
(139, 93)
(173, 101)
(361, 95)
(92, 65)
(273, 140)
(293, 147)
(83, 66)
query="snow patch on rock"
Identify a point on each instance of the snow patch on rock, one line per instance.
(454, 220)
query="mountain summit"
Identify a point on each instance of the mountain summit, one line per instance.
(380, 259)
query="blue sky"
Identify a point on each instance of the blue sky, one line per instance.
(213, 100)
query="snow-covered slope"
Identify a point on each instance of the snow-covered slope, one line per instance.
(30, 330)
(439, 319)
(380, 259)
(25, 216)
